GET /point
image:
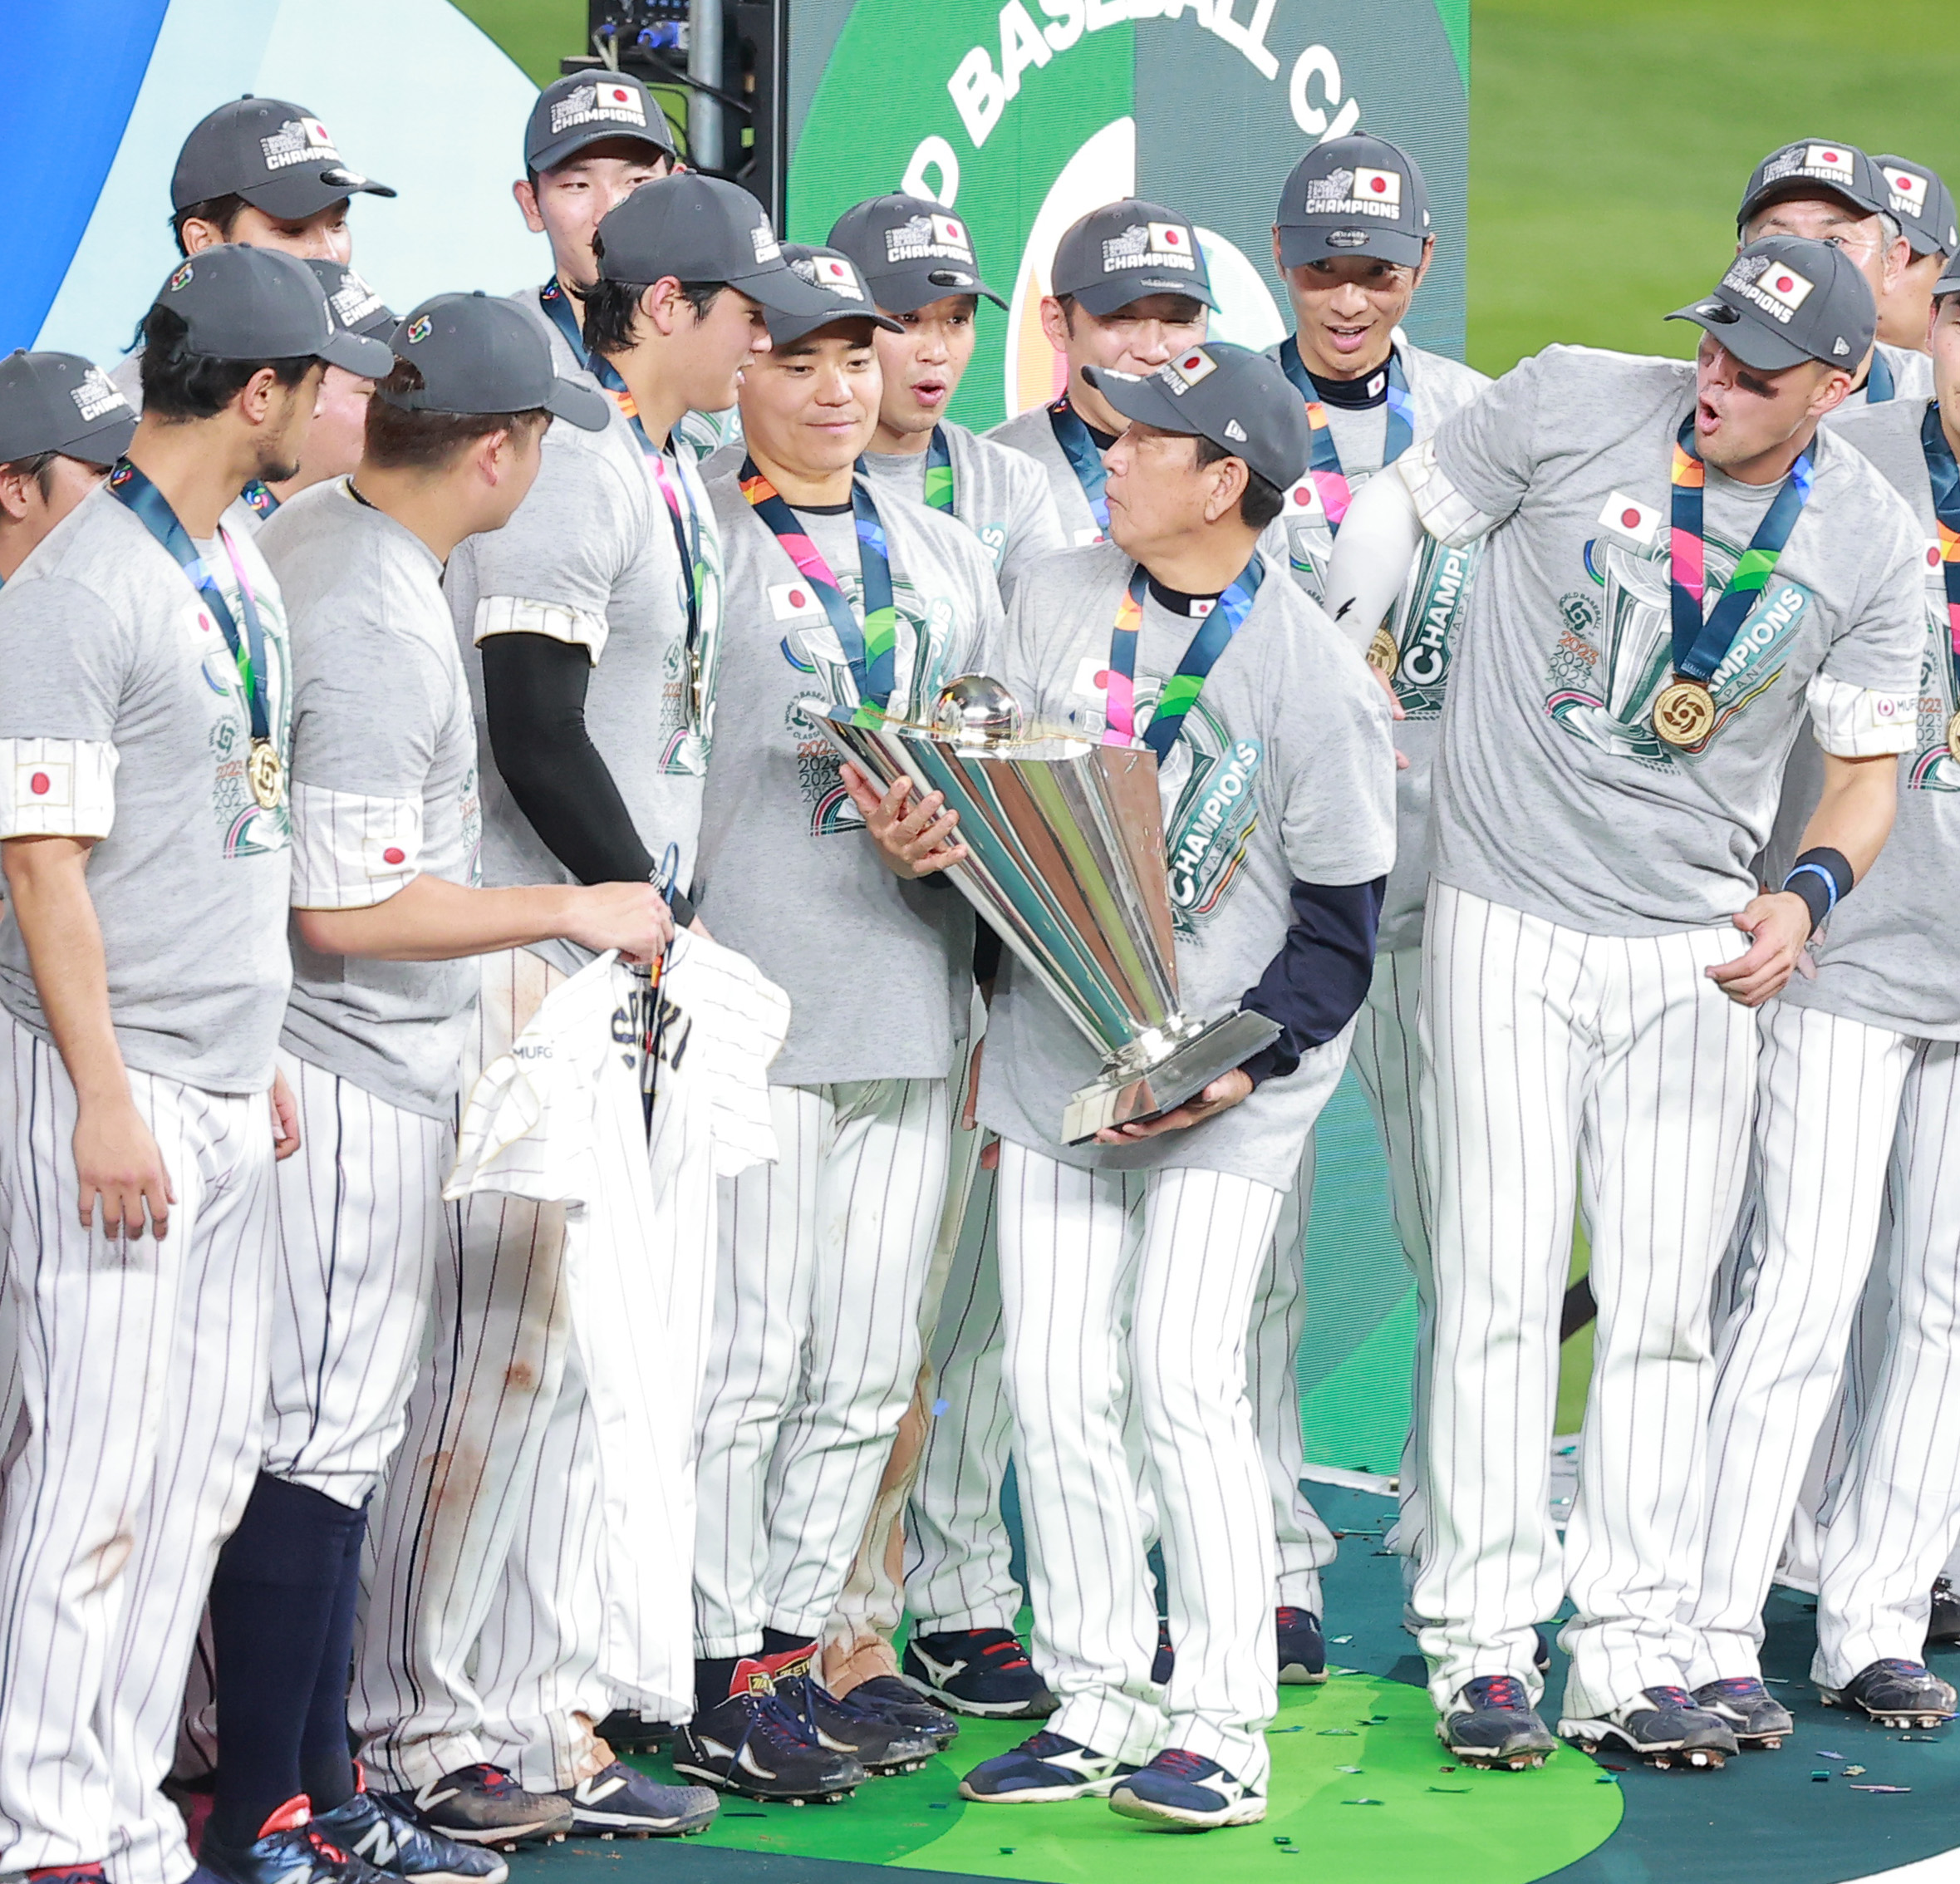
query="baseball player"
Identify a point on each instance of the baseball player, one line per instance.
(1127, 1265)
(1353, 244)
(1678, 564)
(917, 259)
(845, 595)
(1857, 1096)
(62, 425)
(1834, 193)
(1129, 290)
(146, 734)
(1923, 207)
(589, 625)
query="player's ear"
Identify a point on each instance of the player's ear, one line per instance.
(1423, 267)
(1054, 323)
(1278, 262)
(526, 196)
(197, 235)
(13, 493)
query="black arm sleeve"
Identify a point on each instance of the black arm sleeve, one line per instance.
(1317, 982)
(535, 701)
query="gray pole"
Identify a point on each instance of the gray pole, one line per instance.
(704, 117)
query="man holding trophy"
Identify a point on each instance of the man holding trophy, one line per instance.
(1135, 1215)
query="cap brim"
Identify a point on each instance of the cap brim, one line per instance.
(1103, 299)
(785, 330)
(1742, 335)
(563, 150)
(1143, 400)
(783, 291)
(354, 353)
(306, 192)
(1791, 189)
(102, 445)
(1313, 242)
(905, 291)
(579, 406)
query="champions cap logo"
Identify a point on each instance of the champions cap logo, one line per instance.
(1355, 193)
(95, 396)
(1150, 245)
(1777, 290)
(613, 101)
(1186, 370)
(353, 300)
(298, 141)
(1831, 162)
(931, 238)
(1908, 192)
(830, 271)
(767, 247)
(1383, 186)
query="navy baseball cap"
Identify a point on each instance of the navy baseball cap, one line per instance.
(1238, 399)
(1784, 300)
(60, 402)
(279, 157)
(700, 229)
(588, 108)
(479, 355)
(243, 303)
(846, 295)
(1815, 166)
(1354, 196)
(350, 301)
(1127, 250)
(1923, 205)
(911, 251)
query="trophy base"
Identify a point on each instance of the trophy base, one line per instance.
(1121, 1098)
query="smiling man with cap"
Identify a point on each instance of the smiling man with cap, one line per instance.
(838, 596)
(145, 731)
(1923, 205)
(1128, 1264)
(1834, 194)
(591, 627)
(62, 425)
(1678, 564)
(1129, 290)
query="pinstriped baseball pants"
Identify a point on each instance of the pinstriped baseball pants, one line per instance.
(1546, 1052)
(141, 1374)
(1139, 1284)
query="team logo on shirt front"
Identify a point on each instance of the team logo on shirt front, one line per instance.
(1935, 767)
(1210, 786)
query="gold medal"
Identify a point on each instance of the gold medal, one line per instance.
(1684, 715)
(1954, 735)
(1383, 654)
(266, 774)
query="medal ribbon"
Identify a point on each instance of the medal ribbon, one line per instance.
(152, 509)
(1079, 449)
(1325, 468)
(1182, 691)
(1700, 646)
(870, 650)
(1945, 474)
(939, 472)
(1879, 386)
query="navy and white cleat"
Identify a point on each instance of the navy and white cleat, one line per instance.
(483, 1805)
(1041, 1770)
(899, 1703)
(374, 1827)
(1303, 1648)
(880, 1744)
(1662, 1726)
(619, 1801)
(980, 1671)
(1895, 1693)
(753, 1744)
(1185, 1792)
(1754, 1716)
(287, 1851)
(1943, 1619)
(1491, 1722)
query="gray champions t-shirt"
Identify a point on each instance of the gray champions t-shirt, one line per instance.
(1912, 383)
(1000, 494)
(1886, 956)
(1425, 620)
(1283, 770)
(1553, 794)
(878, 971)
(384, 788)
(1032, 434)
(591, 557)
(123, 716)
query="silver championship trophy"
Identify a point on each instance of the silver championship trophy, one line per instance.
(1066, 860)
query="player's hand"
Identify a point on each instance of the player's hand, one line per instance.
(1778, 927)
(915, 842)
(1396, 711)
(632, 917)
(117, 1162)
(285, 1118)
(1222, 1095)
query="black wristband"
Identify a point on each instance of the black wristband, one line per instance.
(1823, 878)
(680, 908)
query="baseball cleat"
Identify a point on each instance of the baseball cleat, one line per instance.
(881, 1745)
(1942, 1621)
(1492, 1722)
(1303, 1648)
(752, 1743)
(287, 1851)
(1042, 1769)
(1187, 1792)
(376, 1830)
(886, 1694)
(1895, 1693)
(980, 1671)
(618, 1801)
(1754, 1715)
(627, 1730)
(1662, 1726)
(483, 1805)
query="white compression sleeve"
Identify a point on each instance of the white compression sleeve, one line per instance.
(1379, 540)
